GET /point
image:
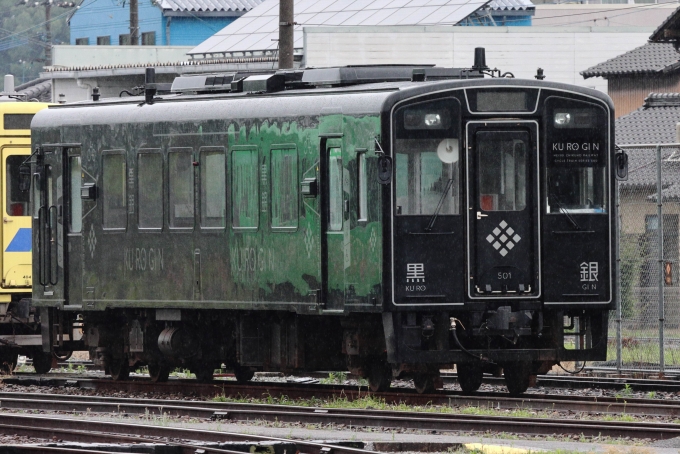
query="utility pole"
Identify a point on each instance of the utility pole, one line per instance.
(48, 33)
(286, 33)
(134, 23)
(48, 20)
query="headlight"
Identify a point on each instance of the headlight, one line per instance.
(433, 120)
(562, 119)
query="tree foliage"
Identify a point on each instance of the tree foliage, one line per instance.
(23, 37)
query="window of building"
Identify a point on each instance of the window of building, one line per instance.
(76, 202)
(363, 187)
(181, 188)
(17, 200)
(149, 39)
(150, 187)
(103, 40)
(284, 180)
(113, 191)
(124, 40)
(335, 195)
(244, 188)
(213, 188)
(82, 41)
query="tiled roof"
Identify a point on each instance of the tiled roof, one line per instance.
(653, 123)
(647, 59)
(671, 22)
(208, 5)
(40, 89)
(258, 30)
(510, 5)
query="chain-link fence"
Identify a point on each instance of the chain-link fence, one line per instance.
(645, 330)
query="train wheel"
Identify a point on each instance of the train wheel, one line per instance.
(204, 373)
(517, 377)
(243, 374)
(379, 377)
(424, 383)
(158, 372)
(469, 377)
(119, 368)
(42, 362)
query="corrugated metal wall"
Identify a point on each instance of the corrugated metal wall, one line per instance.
(629, 93)
(561, 51)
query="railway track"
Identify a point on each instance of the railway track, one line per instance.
(586, 404)
(441, 422)
(183, 440)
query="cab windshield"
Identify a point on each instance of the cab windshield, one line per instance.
(427, 158)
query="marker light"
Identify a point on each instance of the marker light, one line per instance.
(562, 119)
(433, 120)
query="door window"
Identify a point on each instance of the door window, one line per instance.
(17, 200)
(502, 170)
(76, 202)
(335, 196)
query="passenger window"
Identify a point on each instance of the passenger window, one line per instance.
(113, 189)
(17, 200)
(150, 189)
(363, 188)
(335, 196)
(213, 188)
(244, 171)
(284, 180)
(181, 188)
(76, 202)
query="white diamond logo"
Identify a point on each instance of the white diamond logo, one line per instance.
(503, 238)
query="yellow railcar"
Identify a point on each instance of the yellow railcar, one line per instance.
(19, 324)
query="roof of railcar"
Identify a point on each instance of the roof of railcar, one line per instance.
(365, 99)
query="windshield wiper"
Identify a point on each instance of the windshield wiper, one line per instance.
(564, 210)
(439, 206)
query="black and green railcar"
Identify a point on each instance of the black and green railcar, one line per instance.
(303, 221)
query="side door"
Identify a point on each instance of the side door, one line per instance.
(335, 225)
(58, 217)
(503, 213)
(16, 221)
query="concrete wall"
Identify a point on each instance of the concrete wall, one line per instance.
(84, 56)
(562, 52)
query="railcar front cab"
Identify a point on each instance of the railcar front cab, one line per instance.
(502, 247)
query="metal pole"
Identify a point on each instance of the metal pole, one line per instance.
(286, 33)
(134, 23)
(659, 214)
(619, 309)
(48, 34)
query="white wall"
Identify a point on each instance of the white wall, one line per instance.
(83, 56)
(561, 51)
